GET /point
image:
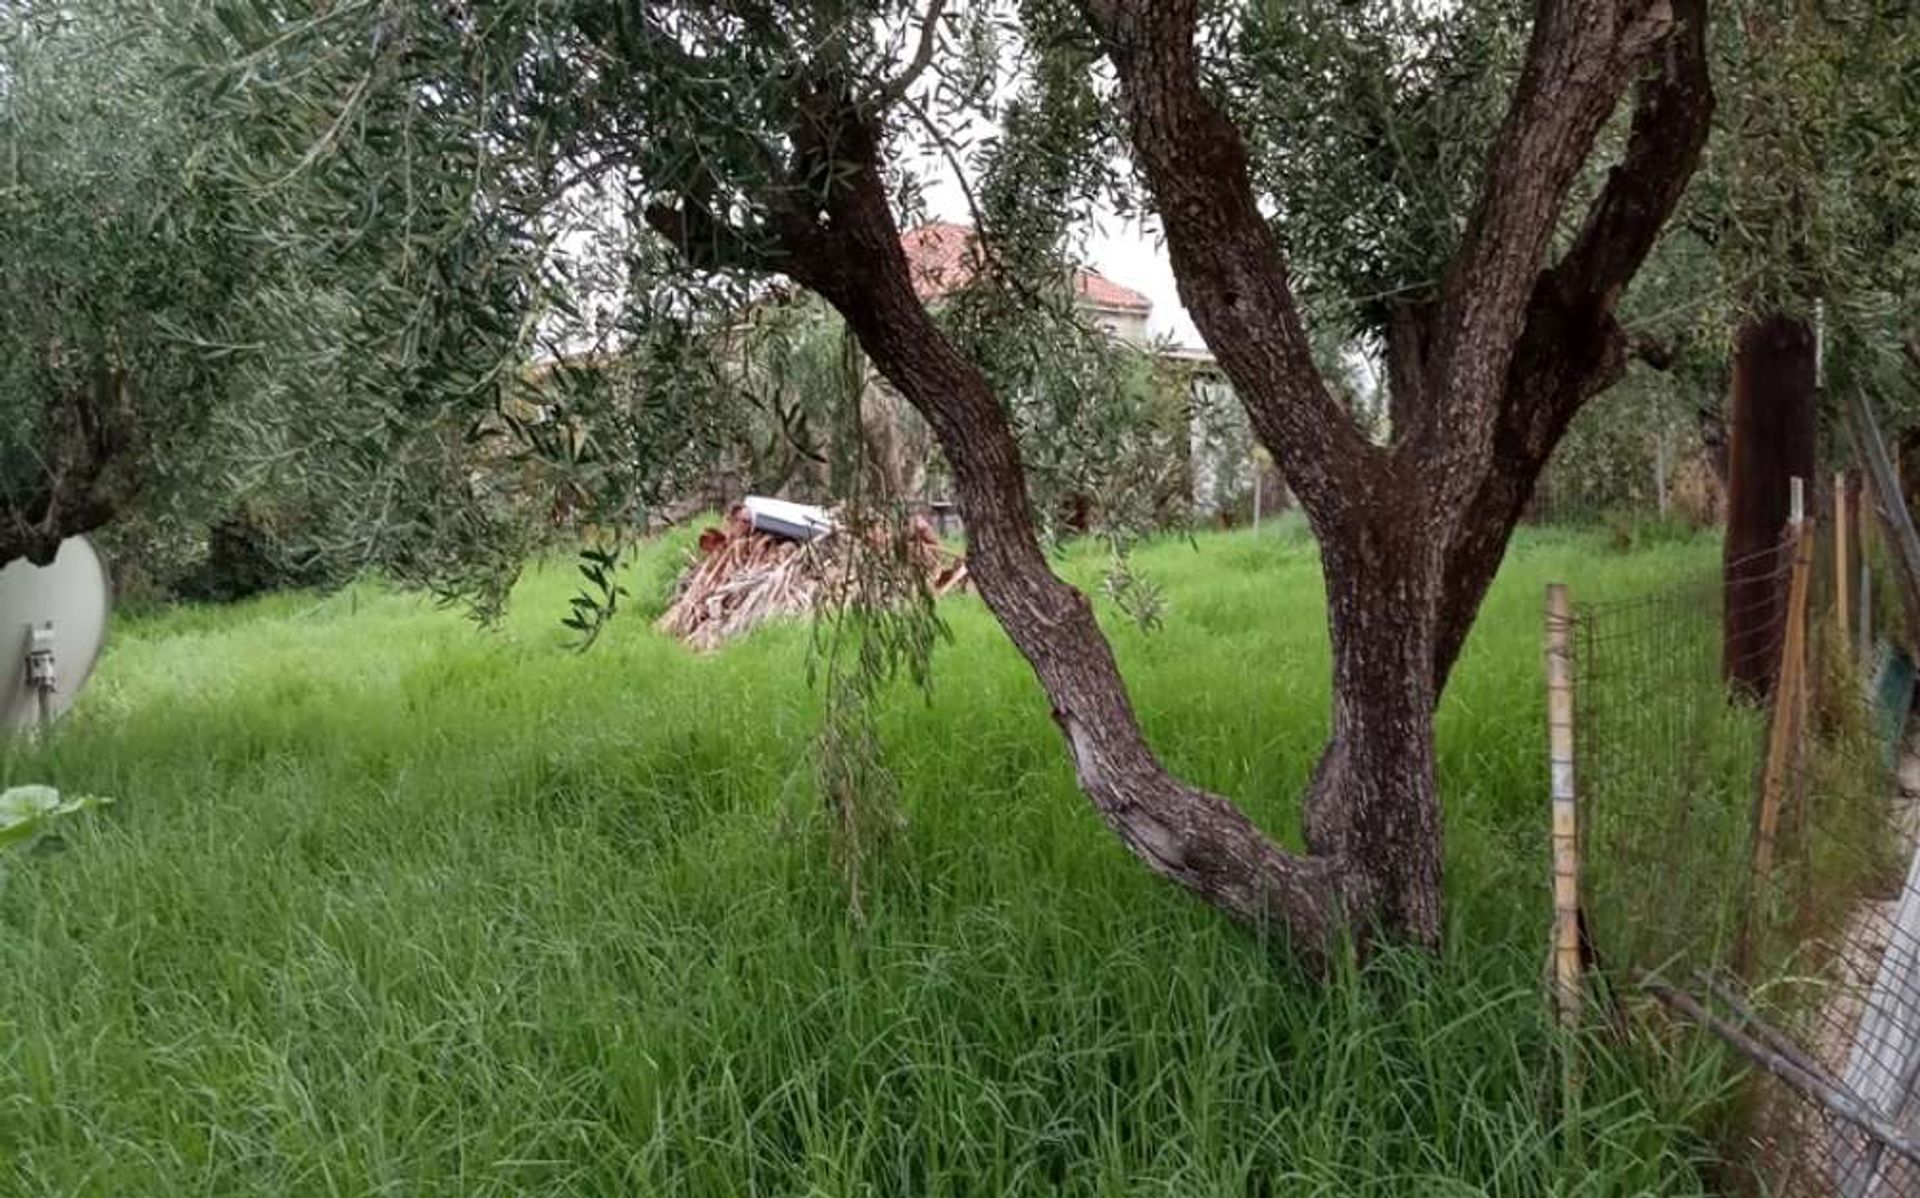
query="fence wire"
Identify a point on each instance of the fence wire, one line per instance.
(1794, 935)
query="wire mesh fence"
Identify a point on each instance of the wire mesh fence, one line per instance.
(1747, 850)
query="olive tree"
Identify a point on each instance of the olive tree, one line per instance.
(116, 266)
(180, 343)
(742, 142)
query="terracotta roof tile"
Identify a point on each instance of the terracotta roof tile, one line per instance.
(1106, 293)
(944, 258)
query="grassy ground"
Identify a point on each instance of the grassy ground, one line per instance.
(388, 905)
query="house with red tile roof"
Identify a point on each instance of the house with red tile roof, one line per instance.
(945, 258)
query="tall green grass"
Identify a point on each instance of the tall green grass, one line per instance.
(389, 905)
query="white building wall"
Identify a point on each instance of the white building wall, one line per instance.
(1219, 448)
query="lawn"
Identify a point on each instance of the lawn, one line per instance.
(391, 905)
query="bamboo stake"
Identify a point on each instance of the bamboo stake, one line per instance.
(1784, 727)
(1567, 973)
(1566, 840)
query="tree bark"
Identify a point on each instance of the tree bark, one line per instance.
(1571, 347)
(1372, 804)
(84, 476)
(1485, 380)
(1772, 440)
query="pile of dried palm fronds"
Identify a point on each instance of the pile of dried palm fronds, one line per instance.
(741, 577)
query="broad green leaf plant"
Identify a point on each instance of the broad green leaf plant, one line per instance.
(28, 812)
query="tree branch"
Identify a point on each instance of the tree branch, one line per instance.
(1571, 348)
(894, 90)
(706, 241)
(1232, 275)
(1579, 60)
(85, 477)
(1673, 113)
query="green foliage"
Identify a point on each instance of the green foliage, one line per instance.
(1811, 183)
(859, 649)
(784, 361)
(1370, 124)
(484, 195)
(1621, 449)
(599, 599)
(1102, 427)
(407, 907)
(126, 297)
(410, 206)
(1806, 200)
(214, 325)
(244, 555)
(30, 812)
(879, 622)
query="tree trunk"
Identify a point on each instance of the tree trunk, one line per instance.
(84, 473)
(1199, 840)
(1772, 441)
(1374, 802)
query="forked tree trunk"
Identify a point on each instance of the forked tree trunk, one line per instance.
(1772, 441)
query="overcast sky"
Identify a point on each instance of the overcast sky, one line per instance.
(1131, 253)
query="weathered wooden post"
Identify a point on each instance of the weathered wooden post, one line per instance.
(1902, 540)
(1784, 726)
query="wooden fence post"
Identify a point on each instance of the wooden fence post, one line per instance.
(1785, 725)
(1566, 829)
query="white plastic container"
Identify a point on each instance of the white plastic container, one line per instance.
(782, 518)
